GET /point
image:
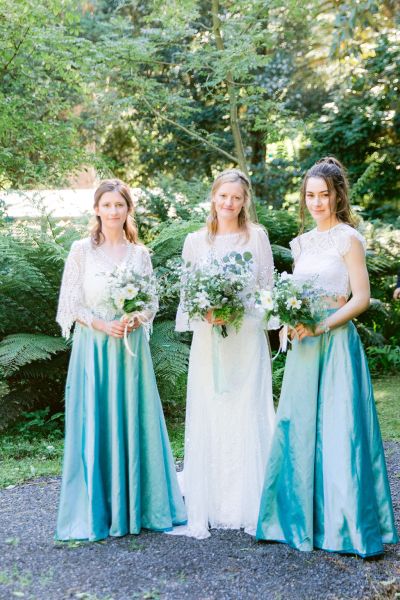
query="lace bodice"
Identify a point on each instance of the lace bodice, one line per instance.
(197, 249)
(83, 294)
(319, 255)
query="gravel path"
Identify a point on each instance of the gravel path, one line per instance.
(229, 565)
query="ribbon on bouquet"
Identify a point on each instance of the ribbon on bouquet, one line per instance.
(131, 321)
(284, 340)
(222, 382)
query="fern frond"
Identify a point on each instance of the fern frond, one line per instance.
(169, 242)
(23, 348)
(170, 357)
(380, 264)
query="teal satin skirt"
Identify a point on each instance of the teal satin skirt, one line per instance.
(118, 472)
(326, 482)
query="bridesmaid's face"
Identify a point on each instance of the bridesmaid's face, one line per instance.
(112, 210)
(320, 202)
(229, 200)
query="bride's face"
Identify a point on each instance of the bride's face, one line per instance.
(229, 200)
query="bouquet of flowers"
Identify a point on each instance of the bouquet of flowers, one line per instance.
(131, 295)
(218, 285)
(291, 302)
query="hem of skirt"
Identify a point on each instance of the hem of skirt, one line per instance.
(279, 541)
(352, 551)
(97, 538)
(341, 551)
(117, 535)
(161, 529)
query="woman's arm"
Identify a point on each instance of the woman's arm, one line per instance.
(182, 318)
(71, 307)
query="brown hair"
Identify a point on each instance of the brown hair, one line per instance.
(130, 229)
(334, 174)
(231, 176)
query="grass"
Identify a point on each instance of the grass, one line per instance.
(24, 457)
(387, 397)
(33, 454)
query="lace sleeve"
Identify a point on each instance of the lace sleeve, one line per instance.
(265, 261)
(295, 248)
(71, 306)
(343, 237)
(147, 269)
(182, 318)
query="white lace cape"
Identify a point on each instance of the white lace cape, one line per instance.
(83, 293)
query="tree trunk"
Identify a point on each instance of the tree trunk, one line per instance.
(233, 104)
(258, 147)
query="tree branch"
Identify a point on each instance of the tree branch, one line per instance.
(16, 51)
(190, 133)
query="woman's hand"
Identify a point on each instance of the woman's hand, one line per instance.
(301, 331)
(135, 325)
(114, 328)
(210, 318)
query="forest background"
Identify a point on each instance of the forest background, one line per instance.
(164, 95)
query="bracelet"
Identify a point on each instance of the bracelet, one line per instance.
(325, 327)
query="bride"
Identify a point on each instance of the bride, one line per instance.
(230, 414)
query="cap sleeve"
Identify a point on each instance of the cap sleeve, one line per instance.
(295, 248)
(343, 237)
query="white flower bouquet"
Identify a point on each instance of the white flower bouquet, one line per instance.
(132, 295)
(220, 286)
(291, 302)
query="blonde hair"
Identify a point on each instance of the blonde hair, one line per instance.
(244, 220)
(130, 229)
(331, 170)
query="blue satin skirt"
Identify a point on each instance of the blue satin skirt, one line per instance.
(118, 472)
(326, 482)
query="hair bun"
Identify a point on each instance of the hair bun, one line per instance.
(331, 160)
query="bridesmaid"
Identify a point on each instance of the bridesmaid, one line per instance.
(118, 472)
(326, 484)
(230, 413)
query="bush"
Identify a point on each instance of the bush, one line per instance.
(33, 356)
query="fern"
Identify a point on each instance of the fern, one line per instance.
(170, 358)
(23, 348)
(169, 242)
(283, 260)
(380, 264)
(282, 226)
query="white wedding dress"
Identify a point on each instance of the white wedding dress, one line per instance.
(229, 414)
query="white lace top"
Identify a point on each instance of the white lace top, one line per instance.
(319, 255)
(83, 294)
(199, 249)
